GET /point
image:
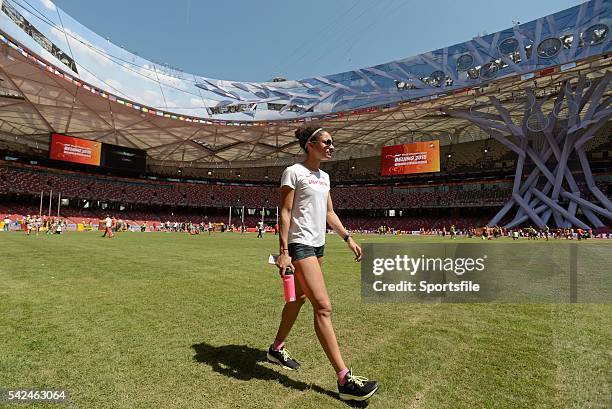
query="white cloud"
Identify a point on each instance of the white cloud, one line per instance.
(103, 84)
(138, 71)
(133, 81)
(118, 87)
(151, 98)
(172, 81)
(90, 78)
(48, 4)
(196, 102)
(152, 73)
(81, 47)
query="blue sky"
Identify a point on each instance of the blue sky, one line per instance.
(257, 40)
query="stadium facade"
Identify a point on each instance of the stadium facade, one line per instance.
(540, 89)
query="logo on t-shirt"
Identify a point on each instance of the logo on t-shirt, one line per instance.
(316, 182)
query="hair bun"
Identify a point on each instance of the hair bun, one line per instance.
(304, 133)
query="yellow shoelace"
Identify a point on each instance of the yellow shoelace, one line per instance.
(285, 354)
(358, 380)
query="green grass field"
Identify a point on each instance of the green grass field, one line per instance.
(166, 320)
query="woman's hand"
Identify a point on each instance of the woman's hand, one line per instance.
(284, 263)
(354, 248)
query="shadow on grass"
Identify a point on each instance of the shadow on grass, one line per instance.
(244, 363)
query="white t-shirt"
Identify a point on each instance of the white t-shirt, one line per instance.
(109, 222)
(309, 211)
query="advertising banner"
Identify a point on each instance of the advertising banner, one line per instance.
(418, 157)
(70, 149)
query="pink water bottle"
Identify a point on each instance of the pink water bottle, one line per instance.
(289, 286)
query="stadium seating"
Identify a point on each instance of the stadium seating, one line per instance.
(33, 180)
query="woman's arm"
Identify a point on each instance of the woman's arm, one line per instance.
(286, 204)
(336, 224)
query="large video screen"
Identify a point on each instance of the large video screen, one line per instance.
(418, 157)
(70, 149)
(122, 158)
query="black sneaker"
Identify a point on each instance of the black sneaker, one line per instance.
(357, 388)
(282, 358)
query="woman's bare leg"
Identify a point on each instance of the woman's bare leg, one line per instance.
(290, 314)
(308, 272)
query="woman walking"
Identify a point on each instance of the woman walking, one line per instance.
(305, 208)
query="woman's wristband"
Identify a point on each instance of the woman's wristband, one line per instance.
(346, 237)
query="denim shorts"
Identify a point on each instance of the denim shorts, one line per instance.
(298, 251)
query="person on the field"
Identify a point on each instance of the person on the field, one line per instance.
(260, 228)
(108, 223)
(59, 227)
(305, 208)
(50, 226)
(28, 224)
(38, 224)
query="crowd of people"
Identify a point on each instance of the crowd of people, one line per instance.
(34, 224)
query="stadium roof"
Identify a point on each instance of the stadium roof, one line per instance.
(58, 76)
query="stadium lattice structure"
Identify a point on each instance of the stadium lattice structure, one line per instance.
(575, 115)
